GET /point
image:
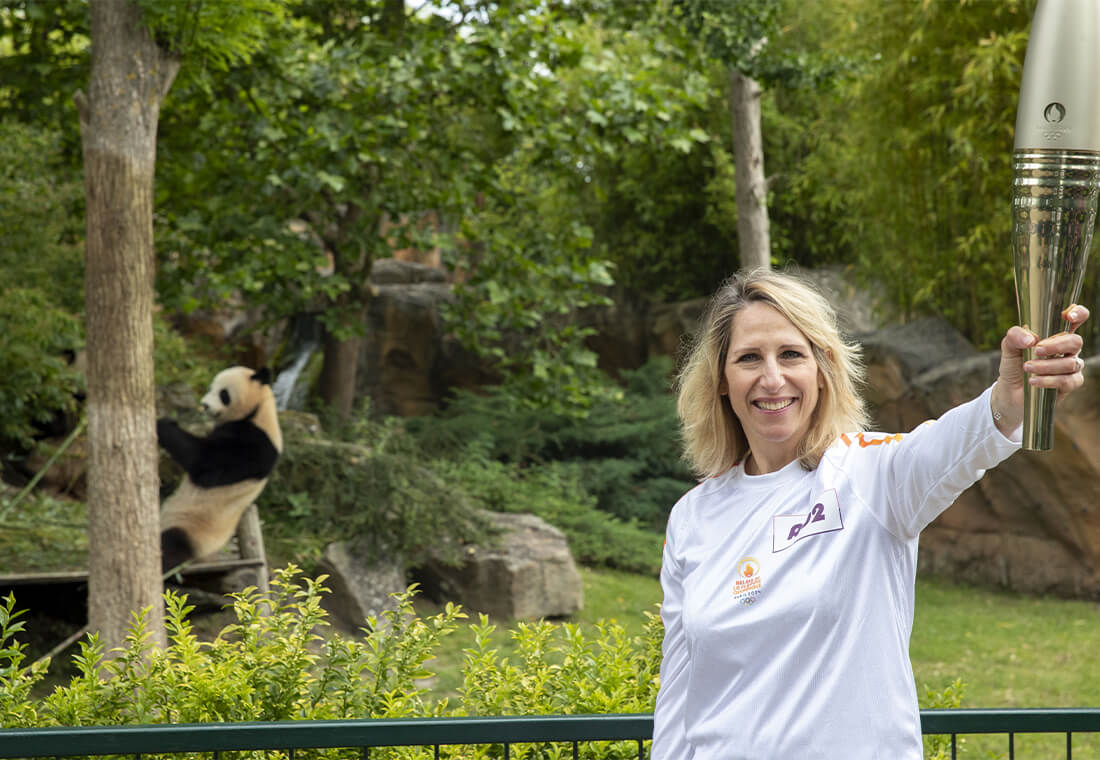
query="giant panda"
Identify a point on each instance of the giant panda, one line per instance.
(225, 470)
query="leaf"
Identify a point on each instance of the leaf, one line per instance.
(332, 181)
(681, 144)
(596, 117)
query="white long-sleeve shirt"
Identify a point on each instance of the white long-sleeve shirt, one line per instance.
(788, 597)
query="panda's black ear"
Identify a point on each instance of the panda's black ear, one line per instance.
(262, 376)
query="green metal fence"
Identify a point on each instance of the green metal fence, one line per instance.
(434, 733)
(1011, 722)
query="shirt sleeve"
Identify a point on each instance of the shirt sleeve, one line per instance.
(923, 474)
(669, 735)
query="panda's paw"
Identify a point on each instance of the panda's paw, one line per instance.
(166, 427)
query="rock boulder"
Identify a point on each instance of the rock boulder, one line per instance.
(529, 573)
(1032, 524)
(361, 579)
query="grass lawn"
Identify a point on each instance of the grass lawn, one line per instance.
(609, 595)
(1009, 650)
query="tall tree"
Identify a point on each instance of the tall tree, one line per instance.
(736, 35)
(129, 77)
(753, 231)
(137, 46)
(913, 160)
(484, 117)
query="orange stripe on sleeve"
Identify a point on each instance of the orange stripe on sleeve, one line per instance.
(864, 442)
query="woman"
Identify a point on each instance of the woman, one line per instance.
(789, 572)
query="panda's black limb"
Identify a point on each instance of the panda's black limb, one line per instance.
(175, 549)
(183, 447)
(232, 452)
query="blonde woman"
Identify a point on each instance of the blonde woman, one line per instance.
(789, 571)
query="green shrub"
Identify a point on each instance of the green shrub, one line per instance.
(626, 450)
(271, 664)
(41, 217)
(17, 710)
(380, 487)
(560, 670)
(276, 661)
(37, 379)
(42, 299)
(949, 698)
(554, 493)
(274, 664)
(378, 482)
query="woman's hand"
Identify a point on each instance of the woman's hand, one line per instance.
(1056, 364)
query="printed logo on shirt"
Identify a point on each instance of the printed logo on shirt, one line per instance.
(823, 517)
(747, 587)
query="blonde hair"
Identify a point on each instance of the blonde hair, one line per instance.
(714, 440)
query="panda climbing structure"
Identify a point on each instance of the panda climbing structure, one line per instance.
(224, 471)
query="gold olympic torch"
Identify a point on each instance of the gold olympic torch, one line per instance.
(1056, 179)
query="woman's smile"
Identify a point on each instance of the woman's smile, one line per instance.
(772, 382)
(773, 406)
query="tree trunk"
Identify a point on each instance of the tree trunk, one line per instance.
(393, 19)
(748, 159)
(340, 364)
(339, 373)
(129, 77)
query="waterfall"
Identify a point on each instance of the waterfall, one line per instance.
(305, 338)
(283, 387)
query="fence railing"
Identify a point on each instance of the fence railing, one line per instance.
(84, 741)
(1067, 721)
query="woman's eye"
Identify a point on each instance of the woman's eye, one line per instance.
(792, 354)
(750, 357)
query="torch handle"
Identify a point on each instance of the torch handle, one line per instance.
(1038, 433)
(1054, 211)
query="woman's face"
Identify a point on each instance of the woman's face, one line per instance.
(772, 381)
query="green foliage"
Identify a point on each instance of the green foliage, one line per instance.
(362, 132)
(17, 710)
(950, 698)
(542, 244)
(36, 344)
(668, 220)
(178, 360)
(553, 492)
(273, 663)
(379, 487)
(419, 486)
(41, 263)
(42, 534)
(553, 147)
(43, 61)
(910, 163)
(214, 35)
(625, 452)
(734, 33)
(41, 217)
(570, 673)
(607, 481)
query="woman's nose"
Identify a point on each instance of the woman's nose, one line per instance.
(773, 377)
